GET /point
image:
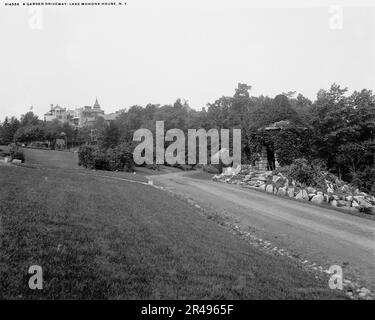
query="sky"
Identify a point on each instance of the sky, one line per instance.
(155, 51)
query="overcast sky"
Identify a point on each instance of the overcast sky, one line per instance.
(156, 52)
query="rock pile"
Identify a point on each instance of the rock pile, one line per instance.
(336, 193)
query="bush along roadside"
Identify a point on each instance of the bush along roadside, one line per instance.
(113, 159)
(302, 182)
(16, 153)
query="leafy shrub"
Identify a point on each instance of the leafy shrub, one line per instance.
(86, 156)
(120, 158)
(112, 159)
(101, 160)
(365, 180)
(302, 171)
(290, 144)
(16, 152)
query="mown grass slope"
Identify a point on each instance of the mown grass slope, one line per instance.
(51, 158)
(109, 239)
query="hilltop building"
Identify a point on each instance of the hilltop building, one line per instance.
(79, 117)
(57, 113)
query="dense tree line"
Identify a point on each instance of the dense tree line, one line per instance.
(337, 129)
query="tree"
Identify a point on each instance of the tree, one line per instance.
(282, 110)
(8, 129)
(110, 137)
(70, 133)
(356, 155)
(218, 113)
(29, 134)
(302, 106)
(269, 111)
(52, 131)
(239, 106)
(4, 132)
(290, 144)
(29, 119)
(344, 130)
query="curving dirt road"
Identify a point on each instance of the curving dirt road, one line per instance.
(321, 235)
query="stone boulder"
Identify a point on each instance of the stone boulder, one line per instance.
(333, 203)
(281, 192)
(311, 195)
(355, 204)
(269, 188)
(302, 195)
(343, 203)
(364, 203)
(291, 192)
(262, 187)
(318, 199)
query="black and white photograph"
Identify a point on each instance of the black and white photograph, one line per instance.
(187, 155)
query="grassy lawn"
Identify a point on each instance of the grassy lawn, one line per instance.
(52, 159)
(110, 239)
(63, 160)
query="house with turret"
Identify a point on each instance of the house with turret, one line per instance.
(79, 117)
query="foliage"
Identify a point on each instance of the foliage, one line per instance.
(86, 156)
(110, 136)
(288, 144)
(291, 144)
(16, 152)
(8, 129)
(302, 171)
(269, 111)
(29, 119)
(119, 158)
(29, 134)
(344, 132)
(365, 180)
(337, 128)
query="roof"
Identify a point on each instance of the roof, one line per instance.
(96, 104)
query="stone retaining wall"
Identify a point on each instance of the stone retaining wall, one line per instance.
(337, 195)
